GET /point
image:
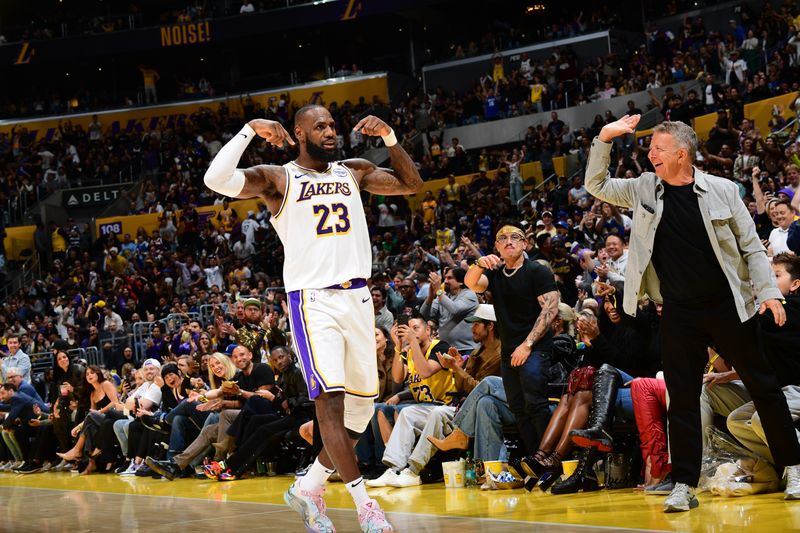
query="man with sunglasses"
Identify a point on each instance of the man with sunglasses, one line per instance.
(526, 302)
(410, 304)
(694, 247)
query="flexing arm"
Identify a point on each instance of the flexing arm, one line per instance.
(222, 175)
(475, 279)
(403, 178)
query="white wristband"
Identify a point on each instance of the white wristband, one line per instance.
(389, 140)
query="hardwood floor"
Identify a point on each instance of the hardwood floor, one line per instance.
(65, 502)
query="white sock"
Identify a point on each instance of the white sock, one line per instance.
(315, 477)
(358, 490)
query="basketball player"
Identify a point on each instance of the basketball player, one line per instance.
(318, 215)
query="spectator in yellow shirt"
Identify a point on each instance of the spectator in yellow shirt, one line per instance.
(116, 263)
(429, 208)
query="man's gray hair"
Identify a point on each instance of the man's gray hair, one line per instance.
(684, 136)
(13, 371)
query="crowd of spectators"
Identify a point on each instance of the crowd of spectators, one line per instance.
(173, 387)
(758, 62)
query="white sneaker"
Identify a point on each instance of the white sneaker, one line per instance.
(18, 464)
(47, 466)
(681, 499)
(63, 466)
(385, 480)
(406, 478)
(131, 470)
(792, 475)
(4, 466)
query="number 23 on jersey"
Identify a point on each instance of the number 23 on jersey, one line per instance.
(333, 219)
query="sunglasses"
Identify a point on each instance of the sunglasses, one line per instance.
(514, 237)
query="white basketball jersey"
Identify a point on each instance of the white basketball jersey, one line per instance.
(323, 229)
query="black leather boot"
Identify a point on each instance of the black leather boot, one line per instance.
(583, 478)
(604, 396)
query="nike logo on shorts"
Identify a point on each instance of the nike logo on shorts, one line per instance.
(365, 300)
(243, 135)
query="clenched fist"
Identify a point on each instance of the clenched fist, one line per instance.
(272, 131)
(372, 125)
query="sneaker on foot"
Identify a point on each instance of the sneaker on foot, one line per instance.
(372, 519)
(310, 506)
(168, 469)
(792, 475)
(131, 470)
(29, 468)
(227, 475)
(385, 480)
(406, 478)
(212, 469)
(681, 499)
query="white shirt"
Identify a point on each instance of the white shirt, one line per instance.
(249, 226)
(616, 267)
(777, 239)
(114, 318)
(214, 277)
(148, 391)
(739, 67)
(247, 8)
(709, 94)
(243, 251)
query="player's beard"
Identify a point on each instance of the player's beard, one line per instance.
(318, 153)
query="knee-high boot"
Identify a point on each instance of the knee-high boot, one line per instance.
(604, 395)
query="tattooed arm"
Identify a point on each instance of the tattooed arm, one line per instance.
(549, 304)
(402, 178)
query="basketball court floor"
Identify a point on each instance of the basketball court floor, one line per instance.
(64, 502)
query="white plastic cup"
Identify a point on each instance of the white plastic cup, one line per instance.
(454, 474)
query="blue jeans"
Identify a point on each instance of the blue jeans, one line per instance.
(184, 420)
(624, 405)
(121, 431)
(526, 393)
(483, 415)
(515, 191)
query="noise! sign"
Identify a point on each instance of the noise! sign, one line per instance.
(180, 34)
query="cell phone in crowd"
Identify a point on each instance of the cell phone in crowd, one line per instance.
(402, 320)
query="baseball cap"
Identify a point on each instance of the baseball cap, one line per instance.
(230, 348)
(151, 362)
(562, 224)
(547, 214)
(483, 312)
(249, 302)
(539, 223)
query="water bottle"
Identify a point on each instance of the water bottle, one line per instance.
(470, 477)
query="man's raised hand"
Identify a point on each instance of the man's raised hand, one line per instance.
(373, 126)
(623, 126)
(272, 131)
